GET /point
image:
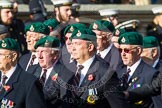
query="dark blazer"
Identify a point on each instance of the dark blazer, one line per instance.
(113, 57)
(23, 61)
(51, 87)
(25, 91)
(102, 81)
(157, 101)
(142, 75)
(152, 89)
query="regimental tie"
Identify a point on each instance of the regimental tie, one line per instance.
(32, 60)
(43, 77)
(76, 79)
(4, 78)
(124, 79)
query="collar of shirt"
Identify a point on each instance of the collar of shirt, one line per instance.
(133, 68)
(35, 60)
(84, 71)
(155, 63)
(9, 73)
(105, 51)
(49, 70)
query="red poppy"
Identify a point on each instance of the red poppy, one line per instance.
(6, 87)
(90, 77)
(54, 77)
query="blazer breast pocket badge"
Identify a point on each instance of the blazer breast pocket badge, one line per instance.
(5, 103)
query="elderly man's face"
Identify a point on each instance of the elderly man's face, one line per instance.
(103, 39)
(148, 54)
(130, 54)
(7, 59)
(64, 12)
(81, 50)
(31, 39)
(46, 56)
(7, 16)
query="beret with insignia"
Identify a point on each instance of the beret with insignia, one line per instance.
(118, 32)
(84, 34)
(9, 44)
(6, 4)
(71, 27)
(131, 38)
(102, 25)
(37, 27)
(52, 23)
(48, 41)
(150, 41)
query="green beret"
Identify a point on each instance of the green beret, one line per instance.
(6, 4)
(52, 23)
(48, 41)
(9, 44)
(150, 41)
(37, 27)
(71, 27)
(119, 32)
(131, 38)
(84, 34)
(102, 25)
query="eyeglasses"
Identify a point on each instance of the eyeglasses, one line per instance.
(126, 50)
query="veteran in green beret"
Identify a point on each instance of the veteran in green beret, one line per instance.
(105, 48)
(18, 88)
(34, 32)
(135, 72)
(90, 70)
(66, 51)
(151, 55)
(15, 26)
(49, 70)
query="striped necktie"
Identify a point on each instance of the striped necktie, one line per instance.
(76, 79)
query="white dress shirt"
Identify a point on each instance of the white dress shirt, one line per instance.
(84, 71)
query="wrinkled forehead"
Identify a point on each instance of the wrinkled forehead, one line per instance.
(5, 51)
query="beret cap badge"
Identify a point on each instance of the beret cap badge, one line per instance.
(95, 26)
(46, 44)
(123, 40)
(3, 44)
(78, 34)
(31, 28)
(71, 28)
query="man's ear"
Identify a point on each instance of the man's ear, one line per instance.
(154, 52)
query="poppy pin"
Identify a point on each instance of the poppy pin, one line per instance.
(6, 87)
(55, 77)
(90, 77)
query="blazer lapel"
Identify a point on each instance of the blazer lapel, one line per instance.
(136, 74)
(38, 71)
(91, 72)
(10, 84)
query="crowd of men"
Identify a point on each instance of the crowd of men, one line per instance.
(62, 63)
